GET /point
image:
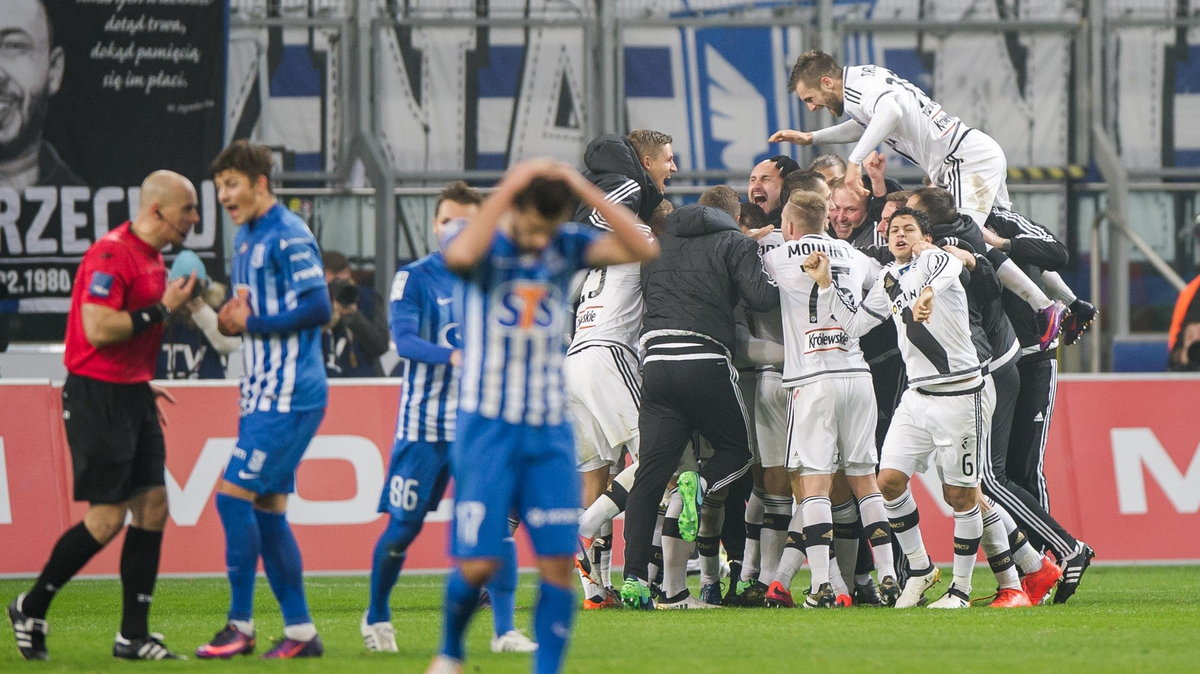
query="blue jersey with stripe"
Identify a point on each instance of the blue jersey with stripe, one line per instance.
(425, 314)
(276, 260)
(516, 314)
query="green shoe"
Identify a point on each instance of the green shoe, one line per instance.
(689, 491)
(635, 594)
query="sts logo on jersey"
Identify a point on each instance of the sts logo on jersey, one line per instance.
(522, 306)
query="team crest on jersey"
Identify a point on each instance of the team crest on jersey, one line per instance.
(450, 336)
(522, 306)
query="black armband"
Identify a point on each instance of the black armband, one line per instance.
(148, 316)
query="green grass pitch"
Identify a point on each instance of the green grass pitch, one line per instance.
(1122, 619)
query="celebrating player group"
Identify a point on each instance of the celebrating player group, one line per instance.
(754, 378)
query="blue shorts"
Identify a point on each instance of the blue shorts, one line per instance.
(269, 447)
(417, 477)
(501, 468)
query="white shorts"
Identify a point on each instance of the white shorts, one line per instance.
(831, 427)
(603, 395)
(940, 430)
(977, 174)
(770, 419)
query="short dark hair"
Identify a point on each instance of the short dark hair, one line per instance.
(827, 160)
(659, 217)
(805, 181)
(937, 203)
(751, 216)
(646, 142)
(334, 261)
(899, 196)
(722, 197)
(785, 164)
(460, 193)
(921, 219)
(811, 66)
(245, 157)
(550, 197)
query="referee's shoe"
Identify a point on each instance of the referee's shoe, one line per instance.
(29, 632)
(149, 647)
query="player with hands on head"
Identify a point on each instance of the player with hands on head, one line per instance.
(513, 449)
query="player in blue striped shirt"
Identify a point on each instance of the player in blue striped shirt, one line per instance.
(279, 305)
(513, 449)
(425, 317)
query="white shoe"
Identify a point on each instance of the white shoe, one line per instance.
(513, 641)
(915, 587)
(444, 664)
(687, 602)
(378, 637)
(954, 598)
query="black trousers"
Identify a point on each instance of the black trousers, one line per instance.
(1043, 530)
(1031, 424)
(688, 385)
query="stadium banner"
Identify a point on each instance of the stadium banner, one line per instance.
(1123, 471)
(109, 91)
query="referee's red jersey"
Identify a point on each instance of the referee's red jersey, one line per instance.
(122, 272)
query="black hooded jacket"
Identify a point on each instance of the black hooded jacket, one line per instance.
(706, 266)
(612, 164)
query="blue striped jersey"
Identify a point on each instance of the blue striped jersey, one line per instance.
(425, 314)
(516, 314)
(276, 260)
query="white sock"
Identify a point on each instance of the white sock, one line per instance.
(712, 518)
(874, 522)
(905, 520)
(995, 548)
(1057, 288)
(845, 548)
(300, 632)
(593, 520)
(968, 529)
(754, 518)
(244, 626)
(777, 512)
(676, 551)
(1028, 560)
(1017, 281)
(793, 553)
(818, 537)
(604, 561)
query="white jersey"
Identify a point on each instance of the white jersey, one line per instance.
(925, 134)
(939, 355)
(610, 305)
(815, 344)
(768, 324)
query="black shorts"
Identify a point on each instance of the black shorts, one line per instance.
(117, 448)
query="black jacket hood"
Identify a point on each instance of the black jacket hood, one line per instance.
(959, 228)
(612, 155)
(696, 220)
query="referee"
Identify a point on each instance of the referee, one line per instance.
(688, 383)
(114, 330)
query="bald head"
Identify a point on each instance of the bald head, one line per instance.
(168, 209)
